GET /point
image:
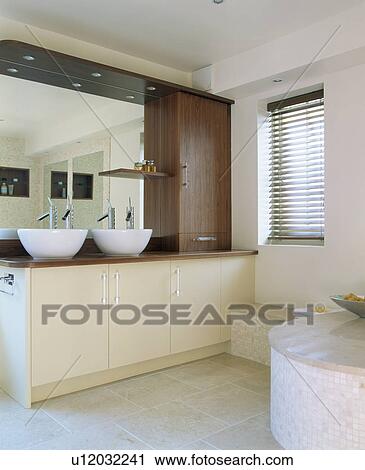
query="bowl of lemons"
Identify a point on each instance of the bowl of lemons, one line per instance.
(352, 302)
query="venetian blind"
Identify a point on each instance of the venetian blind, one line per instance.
(297, 168)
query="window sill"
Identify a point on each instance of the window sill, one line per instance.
(294, 244)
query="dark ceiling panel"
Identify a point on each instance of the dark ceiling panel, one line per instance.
(61, 70)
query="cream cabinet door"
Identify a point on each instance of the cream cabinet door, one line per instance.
(61, 348)
(138, 285)
(195, 283)
(237, 285)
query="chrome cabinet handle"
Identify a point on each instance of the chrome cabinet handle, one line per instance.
(205, 238)
(103, 295)
(117, 295)
(178, 282)
(185, 175)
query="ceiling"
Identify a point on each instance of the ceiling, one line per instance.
(185, 34)
(55, 115)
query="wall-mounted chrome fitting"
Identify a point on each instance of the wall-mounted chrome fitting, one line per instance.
(7, 282)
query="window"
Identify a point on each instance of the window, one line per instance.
(296, 167)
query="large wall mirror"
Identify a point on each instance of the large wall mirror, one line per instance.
(54, 143)
(71, 132)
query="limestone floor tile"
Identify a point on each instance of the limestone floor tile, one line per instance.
(251, 434)
(106, 436)
(152, 390)
(258, 382)
(204, 374)
(8, 405)
(189, 407)
(87, 408)
(170, 426)
(22, 430)
(198, 445)
(229, 403)
(245, 366)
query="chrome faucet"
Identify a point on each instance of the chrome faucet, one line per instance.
(110, 214)
(129, 215)
(68, 217)
(52, 214)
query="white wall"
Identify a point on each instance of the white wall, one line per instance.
(310, 274)
(325, 46)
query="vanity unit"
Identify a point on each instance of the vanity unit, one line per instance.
(40, 360)
(66, 324)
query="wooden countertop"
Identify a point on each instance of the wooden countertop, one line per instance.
(99, 258)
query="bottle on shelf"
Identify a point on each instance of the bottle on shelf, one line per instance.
(149, 166)
(4, 187)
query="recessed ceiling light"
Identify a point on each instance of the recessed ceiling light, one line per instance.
(218, 2)
(77, 85)
(130, 97)
(151, 88)
(28, 57)
(96, 74)
(12, 70)
(277, 80)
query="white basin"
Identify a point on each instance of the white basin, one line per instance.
(46, 243)
(122, 242)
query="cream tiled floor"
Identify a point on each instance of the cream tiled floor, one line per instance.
(216, 403)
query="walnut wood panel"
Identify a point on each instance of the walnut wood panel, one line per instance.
(89, 247)
(161, 128)
(191, 242)
(169, 151)
(179, 129)
(11, 248)
(204, 148)
(14, 248)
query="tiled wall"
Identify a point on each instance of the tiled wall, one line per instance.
(315, 408)
(252, 341)
(18, 212)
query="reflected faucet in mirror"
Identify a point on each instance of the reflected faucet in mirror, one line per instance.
(129, 215)
(110, 215)
(52, 214)
(68, 217)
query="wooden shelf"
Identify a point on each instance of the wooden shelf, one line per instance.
(133, 174)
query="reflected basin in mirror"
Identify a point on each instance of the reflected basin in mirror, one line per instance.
(52, 244)
(9, 234)
(122, 242)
